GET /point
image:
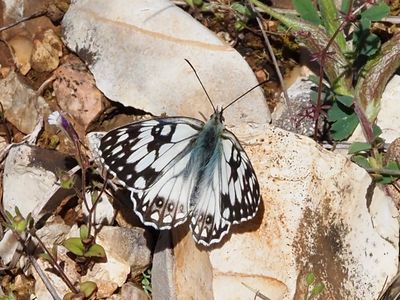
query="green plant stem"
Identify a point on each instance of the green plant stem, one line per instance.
(329, 17)
(91, 211)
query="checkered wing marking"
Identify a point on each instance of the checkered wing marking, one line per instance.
(150, 158)
(230, 195)
(240, 191)
(207, 224)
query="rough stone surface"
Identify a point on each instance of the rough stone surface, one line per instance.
(76, 93)
(69, 268)
(8, 245)
(21, 104)
(319, 214)
(163, 268)
(316, 219)
(389, 116)
(46, 52)
(148, 71)
(295, 119)
(131, 292)
(34, 169)
(127, 252)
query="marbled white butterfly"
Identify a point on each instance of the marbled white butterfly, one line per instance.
(178, 168)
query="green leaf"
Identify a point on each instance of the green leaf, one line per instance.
(385, 178)
(241, 9)
(345, 6)
(66, 181)
(20, 226)
(84, 232)
(45, 257)
(370, 45)
(69, 296)
(344, 121)
(345, 100)
(194, 3)
(361, 161)
(330, 21)
(95, 251)
(376, 12)
(392, 165)
(314, 79)
(74, 245)
(318, 288)
(310, 278)
(198, 3)
(10, 296)
(358, 147)
(88, 288)
(307, 11)
(54, 141)
(240, 25)
(376, 130)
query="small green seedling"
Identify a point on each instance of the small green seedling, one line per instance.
(86, 290)
(146, 282)
(84, 246)
(313, 288)
(18, 223)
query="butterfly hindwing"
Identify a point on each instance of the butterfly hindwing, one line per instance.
(240, 191)
(207, 224)
(230, 196)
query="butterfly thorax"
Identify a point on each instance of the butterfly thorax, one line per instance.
(207, 145)
(206, 151)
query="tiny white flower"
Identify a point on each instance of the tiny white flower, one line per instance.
(55, 119)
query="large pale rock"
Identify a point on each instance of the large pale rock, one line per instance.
(315, 217)
(136, 51)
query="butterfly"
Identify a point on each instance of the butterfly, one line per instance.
(180, 168)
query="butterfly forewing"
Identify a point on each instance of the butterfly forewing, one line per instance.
(149, 158)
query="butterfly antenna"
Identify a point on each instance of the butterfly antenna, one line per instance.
(240, 97)
(198, 78)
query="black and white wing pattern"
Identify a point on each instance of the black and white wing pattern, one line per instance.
(180, 168)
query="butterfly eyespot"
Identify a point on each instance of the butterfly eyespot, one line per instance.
(208, 220)
(159, 203)
(170, 207)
